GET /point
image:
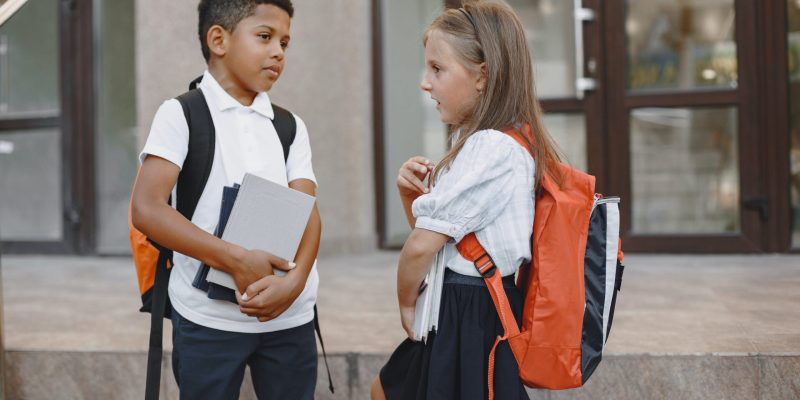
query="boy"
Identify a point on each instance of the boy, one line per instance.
(244, 43)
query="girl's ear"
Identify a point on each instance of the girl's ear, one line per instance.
(217, 40)
(483, 76)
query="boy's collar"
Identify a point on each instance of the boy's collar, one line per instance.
(224, 101)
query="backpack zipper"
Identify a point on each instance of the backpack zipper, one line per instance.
(599, 199)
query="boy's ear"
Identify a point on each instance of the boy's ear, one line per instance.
(483, 76)
(217, 40)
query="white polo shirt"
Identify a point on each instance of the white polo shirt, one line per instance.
(246, 142)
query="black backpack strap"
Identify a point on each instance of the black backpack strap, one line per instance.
(157, 313)
(322, 344)
(197, 165)
(286, 126)
(191, 182)
(193, 84)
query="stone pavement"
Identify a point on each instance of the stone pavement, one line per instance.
(689, 327)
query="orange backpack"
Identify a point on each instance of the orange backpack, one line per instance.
(569, 289)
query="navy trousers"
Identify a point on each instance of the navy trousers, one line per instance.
(210, 364)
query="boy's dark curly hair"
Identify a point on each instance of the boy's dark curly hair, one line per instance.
(228, 14)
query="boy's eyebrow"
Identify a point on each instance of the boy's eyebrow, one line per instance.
(271, 29)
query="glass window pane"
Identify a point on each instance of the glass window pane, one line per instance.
(116, 147)
(794, 114)
(681, 44)
(550, 30)
(569, 132)
(685, 170)
(29, 61)
(411, 123)
(30, 178)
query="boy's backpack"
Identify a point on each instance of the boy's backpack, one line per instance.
(569, 289)
(153, 262)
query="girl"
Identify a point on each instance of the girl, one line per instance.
(478, 70)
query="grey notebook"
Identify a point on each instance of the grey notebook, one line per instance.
(265, 216)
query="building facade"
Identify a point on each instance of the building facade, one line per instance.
(688, 109)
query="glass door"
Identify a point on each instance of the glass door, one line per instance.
(563, 37)
(43, 128)
(651, 98)
(683, 151)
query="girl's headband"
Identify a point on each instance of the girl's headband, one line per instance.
(471, 20)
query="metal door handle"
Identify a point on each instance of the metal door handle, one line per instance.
(758, 203)
(583, 83)
(6, 147)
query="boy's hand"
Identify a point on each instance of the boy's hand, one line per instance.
(411, 176)
(270, 296)
(255, 265)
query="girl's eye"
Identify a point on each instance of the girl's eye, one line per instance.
(284, 45)
(264, 36)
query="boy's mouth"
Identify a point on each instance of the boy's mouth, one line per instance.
(274, 71)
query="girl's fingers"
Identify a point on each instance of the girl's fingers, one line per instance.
(410, 181)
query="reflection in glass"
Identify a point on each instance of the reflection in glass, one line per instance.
(684, 170)
(116, 147)
(794, 115)
(29, 62)
(569, 132)
(549, 28)
(681, 44)
(30, 178)
(411, 123)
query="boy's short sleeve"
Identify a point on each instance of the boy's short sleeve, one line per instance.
(169, 134)
(298, 165)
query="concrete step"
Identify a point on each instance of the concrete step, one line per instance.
(55, 375)
(686, 327)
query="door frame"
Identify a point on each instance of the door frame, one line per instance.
(750, 149)
(76, 122)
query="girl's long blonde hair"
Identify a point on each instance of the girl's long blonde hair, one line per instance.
(509, 97)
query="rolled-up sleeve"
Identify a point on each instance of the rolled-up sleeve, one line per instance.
(473, 191)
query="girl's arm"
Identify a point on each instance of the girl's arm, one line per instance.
(415, 261)
(410, 183)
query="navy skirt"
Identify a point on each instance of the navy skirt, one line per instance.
(453, 362)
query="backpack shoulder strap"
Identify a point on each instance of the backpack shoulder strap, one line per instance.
(191, 182)
(286, 126)
(197, 165)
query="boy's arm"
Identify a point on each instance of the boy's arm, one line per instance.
(153, 216)
(270, 296)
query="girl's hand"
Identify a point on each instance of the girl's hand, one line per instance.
(411, 177)
(407, 319)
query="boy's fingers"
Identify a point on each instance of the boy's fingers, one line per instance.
(255, 288)
(282, 264)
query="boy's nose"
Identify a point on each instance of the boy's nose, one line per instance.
(425, 86)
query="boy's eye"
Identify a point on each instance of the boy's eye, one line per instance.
(435, 68)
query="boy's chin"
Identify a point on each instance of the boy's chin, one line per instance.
(263, 85)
